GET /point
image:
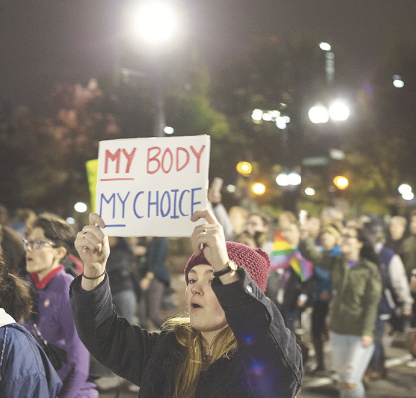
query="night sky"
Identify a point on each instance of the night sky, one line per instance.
(45, 41)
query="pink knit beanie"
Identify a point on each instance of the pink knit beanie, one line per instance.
(255, 261)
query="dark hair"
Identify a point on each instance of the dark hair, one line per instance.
(15, 297)
(56, 229)
(367, 251)
(266, 220)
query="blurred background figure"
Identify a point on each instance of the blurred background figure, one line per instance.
(155, 278)
(257, 226)
(122, 281)
(22, 221)
(322, 294)
(357, 289)
(25, 368)
(408, 254)
(11, 245)
(395, 298)
(397, 229)
(313, 225)
(232, 222)
(46, 247)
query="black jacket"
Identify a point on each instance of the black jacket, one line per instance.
(268, 361)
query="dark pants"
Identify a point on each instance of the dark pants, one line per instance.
(319, 313)
(378, 358)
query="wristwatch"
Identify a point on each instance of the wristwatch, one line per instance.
(230, 266)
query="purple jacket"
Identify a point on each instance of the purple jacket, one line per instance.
(57, 327)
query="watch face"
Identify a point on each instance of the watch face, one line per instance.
(233, 265)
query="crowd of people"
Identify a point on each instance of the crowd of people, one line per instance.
(363, 286)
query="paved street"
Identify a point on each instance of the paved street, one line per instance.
(400, 381)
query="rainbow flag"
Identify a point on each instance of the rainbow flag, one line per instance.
(284, 255)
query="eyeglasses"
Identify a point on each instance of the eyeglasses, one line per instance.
(346, 236)
(36, 244)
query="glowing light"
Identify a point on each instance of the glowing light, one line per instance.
(341, 182)
(397, 81)
(249, 339)
(169, 130)
(257, 367)
(339, 111)
(231, 188)
(257, 115)
(325, 46)
(408, 195)
(404, 188)
(80, 207)
(310, 191)
(318, 114)
(282, 180)
(70, 220)
(244, 168)
(258, 188)
(294, 179)
(154, 21)
(267, 117)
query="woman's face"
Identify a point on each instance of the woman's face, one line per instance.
(43, 259)
(349, 242)
(206, 313)
(328, 240)
(292, 234)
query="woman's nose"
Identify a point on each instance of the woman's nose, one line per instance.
(196, 288)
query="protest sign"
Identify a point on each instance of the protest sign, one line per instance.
(152, 186)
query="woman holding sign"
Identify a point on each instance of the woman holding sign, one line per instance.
(233, 344)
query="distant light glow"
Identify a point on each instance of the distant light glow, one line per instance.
(341, 182)
(231, 188)
(80, 207)
(267, 117)
(294, 178)
(281, 122)
(70, 220)
(398, 83)
(257, 114)
(249, 339)
(318, 114)
(408, 195)
(339, 111)
(257, 367)
(169, 130)
(404, 188)
(310, 191)
(154, 21)
(282, 180)
(258, 188)
(325, 46)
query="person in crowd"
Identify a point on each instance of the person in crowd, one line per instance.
(46, 246)
(408, 255)
(357, 287)
(322, 294)
(23, 221)
(233, 222)
(25, 370)
(397, 229)
(233, 343)
(285, 219)
(120, 270)
(155, 279)
(11, 245)
(314, 228)
(395, 290)
(257, 225)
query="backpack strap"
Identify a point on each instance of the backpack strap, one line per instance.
(2, 352)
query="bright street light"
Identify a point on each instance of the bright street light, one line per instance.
(318, 114)
(397, 81)
(309, 191)
(339, 111)
(404, 188)
(154, 21)
(408, 195)
(285, 180)
(258, 188)
(294, 178)
(325, 46)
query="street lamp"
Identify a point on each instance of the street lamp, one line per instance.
(155, 22)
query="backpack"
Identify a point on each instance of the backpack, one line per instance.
(387, 302)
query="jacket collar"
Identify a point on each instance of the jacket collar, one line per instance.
(5, 318)
(42, 284)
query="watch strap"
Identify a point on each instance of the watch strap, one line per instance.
(223, 271)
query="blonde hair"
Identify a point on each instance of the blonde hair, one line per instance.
(194, 361)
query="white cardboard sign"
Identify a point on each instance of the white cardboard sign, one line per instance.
(152, 186)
